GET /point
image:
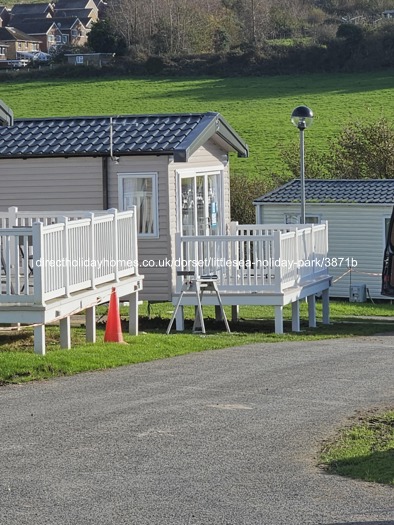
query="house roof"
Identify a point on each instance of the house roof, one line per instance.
(363, 191)
(8, 34)
(76, 13)
(31, 9)
(66, 22)
(72, 4)
(34, 26)
(179, 135)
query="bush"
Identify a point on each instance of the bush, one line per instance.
(243, 191)
(361, 151)
(351, 33)
(154, 65)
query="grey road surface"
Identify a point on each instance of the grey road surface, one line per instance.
(228, 437)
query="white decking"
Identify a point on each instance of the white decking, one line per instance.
(261, 265)
(53, 265)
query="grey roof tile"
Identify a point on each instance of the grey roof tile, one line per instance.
(364, 191)
(131, 134)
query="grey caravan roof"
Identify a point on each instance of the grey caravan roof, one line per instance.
(176, 134)
(363, 191)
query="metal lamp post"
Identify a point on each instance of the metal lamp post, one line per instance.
(302, 118)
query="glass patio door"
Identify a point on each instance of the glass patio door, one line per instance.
(201, 208)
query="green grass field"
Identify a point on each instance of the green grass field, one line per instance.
(258, 108)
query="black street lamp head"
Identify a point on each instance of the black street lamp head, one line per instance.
(302, 117)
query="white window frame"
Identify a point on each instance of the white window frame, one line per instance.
(197, 172)
(148, 174)
(297, 216)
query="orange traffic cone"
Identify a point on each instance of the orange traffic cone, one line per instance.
(113, 329)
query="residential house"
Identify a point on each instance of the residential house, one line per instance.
(358, 214)
(44, 30)
(17, 41)
(5, 16)
(3, 51)
(84, 15)
(73, 30)
(40, 10)
(74, 7)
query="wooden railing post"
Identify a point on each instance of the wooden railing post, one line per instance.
(134, 233)
(115, 245)
(313, 249)
(12, 216)
(39, 257)
(66, 253)
(12, 223)
(297, 254)
(278, 256)
(92, 250)
(234, 227)
(178, 256)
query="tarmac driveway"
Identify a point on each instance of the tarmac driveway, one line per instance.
(227, 437)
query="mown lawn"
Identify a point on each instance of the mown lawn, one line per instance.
(256, 325)
(258, 108)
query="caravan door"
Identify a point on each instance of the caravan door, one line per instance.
(200, 209)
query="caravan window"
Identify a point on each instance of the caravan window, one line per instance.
(139, 189)
(295, 219)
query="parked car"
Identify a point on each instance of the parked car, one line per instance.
(35, 56)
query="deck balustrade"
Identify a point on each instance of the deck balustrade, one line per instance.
(258, 258)
(61, 255)
(274, 264)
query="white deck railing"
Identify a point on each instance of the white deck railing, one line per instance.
(17, 218)
(41, 261)
(257, 258)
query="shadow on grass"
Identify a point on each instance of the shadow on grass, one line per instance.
(249, 326)
(377, 467)
(23, 340)
(271, 86)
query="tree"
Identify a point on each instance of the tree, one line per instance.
(352, 33)
(103, 39)
(361, 151)
(243, 191)
(365, 151)
(221, 40)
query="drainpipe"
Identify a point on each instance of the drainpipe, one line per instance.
(105, 182)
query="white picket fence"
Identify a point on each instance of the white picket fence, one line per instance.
(257, 258)
(47, 255)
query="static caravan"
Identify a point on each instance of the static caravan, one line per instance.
(173, 168)
(358, 214)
